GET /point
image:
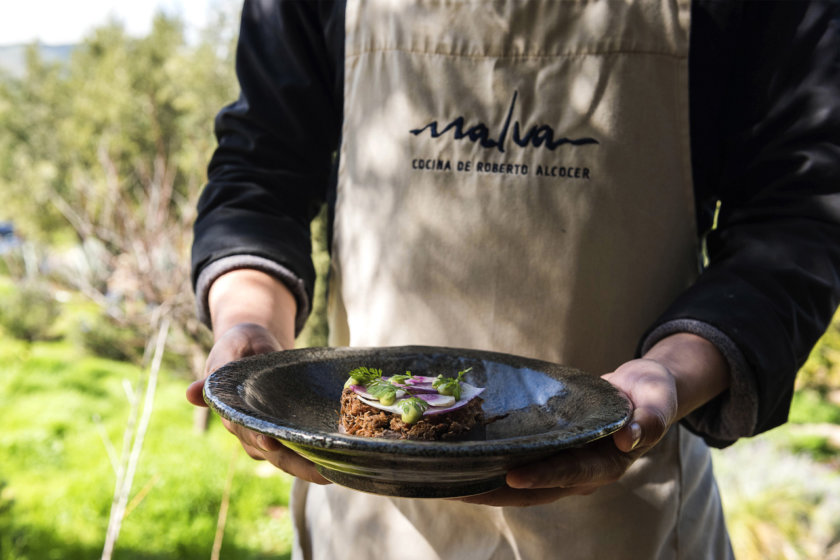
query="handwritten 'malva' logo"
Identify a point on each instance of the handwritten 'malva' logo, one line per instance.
(536, 136)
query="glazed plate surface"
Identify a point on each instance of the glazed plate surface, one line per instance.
(535, 409)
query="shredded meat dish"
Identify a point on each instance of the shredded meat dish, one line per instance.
(360, 419)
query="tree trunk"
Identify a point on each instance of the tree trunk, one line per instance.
(201, 420)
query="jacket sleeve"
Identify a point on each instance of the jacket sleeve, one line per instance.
(272, 167)
(773, 281)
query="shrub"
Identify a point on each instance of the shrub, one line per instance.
(103, 336)
(789, 510)
(822, 370)
(29, 311)
(812, 406)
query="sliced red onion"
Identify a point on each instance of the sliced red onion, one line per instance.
(362, 391)
(416, 386)
(376, 404)
(420, 379)
(468, 393)
(437, 400)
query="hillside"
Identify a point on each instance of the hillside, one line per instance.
(13, 57)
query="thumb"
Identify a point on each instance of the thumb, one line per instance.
(643, 431)
(195, 393)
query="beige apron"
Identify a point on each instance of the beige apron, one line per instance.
(515, 176)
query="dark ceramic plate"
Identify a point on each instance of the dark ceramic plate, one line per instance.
(539, 408)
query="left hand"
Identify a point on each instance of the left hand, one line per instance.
(679, 374)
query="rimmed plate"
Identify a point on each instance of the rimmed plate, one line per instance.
(537, 409)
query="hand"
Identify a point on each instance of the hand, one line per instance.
(238, 342)
(651, 389)
(252, 313)
(679, 374)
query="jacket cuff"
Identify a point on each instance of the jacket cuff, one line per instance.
(212, 271)
(732, 414)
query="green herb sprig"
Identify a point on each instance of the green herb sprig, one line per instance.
(450, 386)
(382, 390)
(363, 376)
(400, 379)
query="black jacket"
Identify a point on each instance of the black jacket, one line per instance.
(765, 134)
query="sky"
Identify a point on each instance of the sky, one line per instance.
(57, 22)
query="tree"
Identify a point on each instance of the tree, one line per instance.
(104, 160)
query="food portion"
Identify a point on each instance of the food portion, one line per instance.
(408, 406)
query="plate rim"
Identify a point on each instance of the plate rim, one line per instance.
(234, 374)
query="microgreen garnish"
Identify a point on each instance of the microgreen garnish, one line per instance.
(449, 385)
(400, 379)
(382, 390)
(362, 376)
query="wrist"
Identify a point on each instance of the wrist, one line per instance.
(699, 369)
(250, 297)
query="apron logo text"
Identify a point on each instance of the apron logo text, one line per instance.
(537, 136)
(468, 166)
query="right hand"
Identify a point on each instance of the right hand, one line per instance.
(239, 341)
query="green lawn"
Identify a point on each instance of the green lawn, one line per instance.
(58, 408)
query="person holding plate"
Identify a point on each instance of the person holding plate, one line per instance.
(643, 188)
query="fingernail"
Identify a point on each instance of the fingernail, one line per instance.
(636, 432)
(520, 482)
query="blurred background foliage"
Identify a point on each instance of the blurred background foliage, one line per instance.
(102, 159)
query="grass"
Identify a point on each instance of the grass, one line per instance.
(61, 411)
